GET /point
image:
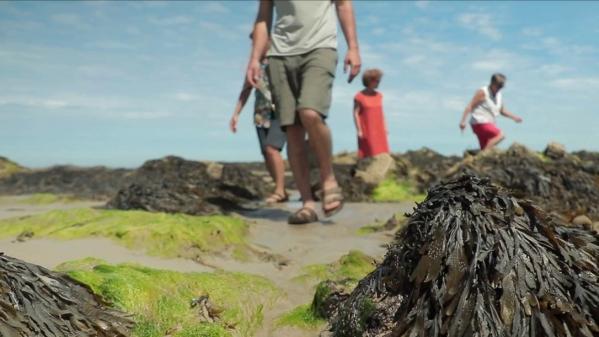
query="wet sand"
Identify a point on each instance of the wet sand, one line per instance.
(285, 248)
(14, 206)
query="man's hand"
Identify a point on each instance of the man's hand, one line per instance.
(517, 119)
(233, 123)
(360, 134)
(253, 72)
(462, 126)
(352, 61)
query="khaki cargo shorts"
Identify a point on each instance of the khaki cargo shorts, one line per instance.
(302, 82)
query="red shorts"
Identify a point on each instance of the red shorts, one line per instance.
(485, 132)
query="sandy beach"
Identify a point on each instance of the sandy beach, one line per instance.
(288, 248)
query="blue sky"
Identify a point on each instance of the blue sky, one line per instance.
(117, 83)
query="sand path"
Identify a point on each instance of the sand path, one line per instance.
(292, 247)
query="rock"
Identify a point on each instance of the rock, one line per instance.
(176, 185)
(555, 150)
(376, 169)
(466, 264)
(596, 226)
(558, 185)
(327, 298)
(96, 183)
(214, 170)
(346, 158)
(38, 302)
(582, 221)
(8, 167)
(207, 311)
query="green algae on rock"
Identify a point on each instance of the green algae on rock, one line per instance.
(302, 317)
(354, 265)
(168, 235)
(8, 167)
(335, 281)
(47, 199)
(162, 301)
(393, 190)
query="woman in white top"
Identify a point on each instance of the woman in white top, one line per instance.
(485, 106)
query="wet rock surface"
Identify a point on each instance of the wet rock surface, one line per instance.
(95, 183)
(566, 183)
(561, 185)
(474, 260)
(173, 184)
(38, 302)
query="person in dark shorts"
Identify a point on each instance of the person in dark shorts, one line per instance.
(272, 139)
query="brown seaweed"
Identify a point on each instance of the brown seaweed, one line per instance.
(37, 302)
(475, 261)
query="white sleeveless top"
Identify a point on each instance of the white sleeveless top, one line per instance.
(490, 108)
(302, 26)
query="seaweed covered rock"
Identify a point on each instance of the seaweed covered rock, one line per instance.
(38, 302)
(589, 161)
(9, 167)
(475, 261)
(427, 167)
(176, 185)
(360, 177)
(94, 183)
(559, 185)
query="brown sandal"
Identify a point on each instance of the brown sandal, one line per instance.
(303, 216)
(276, 198)
(330, 196)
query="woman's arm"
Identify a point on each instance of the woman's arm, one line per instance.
(246, 89)
(510, 115)
(357, 119)
(479, 97)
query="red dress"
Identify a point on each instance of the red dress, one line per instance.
(372, 122)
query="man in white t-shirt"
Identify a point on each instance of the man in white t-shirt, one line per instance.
(302, 62)
(485, 106)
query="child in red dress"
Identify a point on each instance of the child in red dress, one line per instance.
(368, 116)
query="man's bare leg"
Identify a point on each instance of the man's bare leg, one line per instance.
(321, 143)
(494, 141)
(276, 168)
(298, 160)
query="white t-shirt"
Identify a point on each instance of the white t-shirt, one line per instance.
(302, 26)
(488, 109)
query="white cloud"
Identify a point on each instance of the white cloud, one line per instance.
(553, 69)
(34, 102)
(185, 97)
(214, 7)
(422, 4)
(146, 114)
(577, 83)
(413, 60)
(369, 54)
(379, 31)
(480, 23)
(532, 31)
(220, 30)
(69, 19)
(110, 44)
(171, 20)
(500, 60)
